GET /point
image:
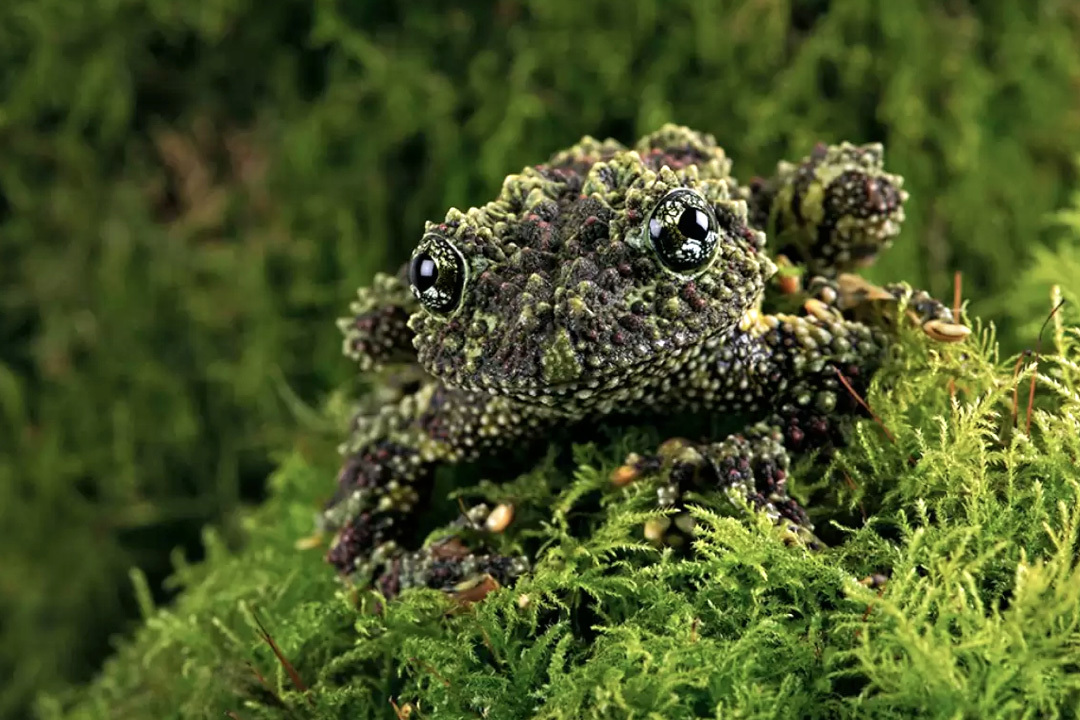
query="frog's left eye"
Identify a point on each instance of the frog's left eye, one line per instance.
(437, 274)
(683, 231)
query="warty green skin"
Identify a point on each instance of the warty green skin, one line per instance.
(567, 314)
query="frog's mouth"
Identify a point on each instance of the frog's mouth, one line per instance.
(623, 379)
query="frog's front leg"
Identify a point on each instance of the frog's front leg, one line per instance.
(750, 468)
(389, 466)
(833, 211)
(786, 369)
(858, 299)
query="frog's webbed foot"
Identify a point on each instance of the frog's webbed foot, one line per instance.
(377, 332)
(862, 300)
(465, 568)
(750, 468)
(833, 211)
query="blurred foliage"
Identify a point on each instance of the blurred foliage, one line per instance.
(189, 192)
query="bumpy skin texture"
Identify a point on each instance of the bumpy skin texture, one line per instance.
(834, 211)
(619, 281)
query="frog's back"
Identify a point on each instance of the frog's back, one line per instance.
(672, 145)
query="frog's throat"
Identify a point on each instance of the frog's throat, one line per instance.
(620, 384)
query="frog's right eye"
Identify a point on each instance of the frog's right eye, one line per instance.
(437, 274)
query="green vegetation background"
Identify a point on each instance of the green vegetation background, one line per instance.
(190, 192)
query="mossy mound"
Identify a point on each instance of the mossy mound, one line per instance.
(954, 590)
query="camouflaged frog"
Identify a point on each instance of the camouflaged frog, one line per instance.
(621, 281)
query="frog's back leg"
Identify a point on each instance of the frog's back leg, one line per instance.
(834, 211)
(377, 332)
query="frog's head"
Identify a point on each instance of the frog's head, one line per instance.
(601, 268)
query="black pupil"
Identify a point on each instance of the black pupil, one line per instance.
(423, 272)
(694, 224)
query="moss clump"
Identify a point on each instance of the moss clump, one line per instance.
(953, 588)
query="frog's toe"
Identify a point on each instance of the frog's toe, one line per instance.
(628, 472)
(376, 334)
(944, 331)
(800, 535)
(635, 467)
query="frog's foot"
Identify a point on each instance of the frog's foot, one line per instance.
(448, 565)
(750, 468)
(853, 295)
(377, 333)
(833, 211)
